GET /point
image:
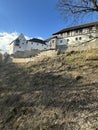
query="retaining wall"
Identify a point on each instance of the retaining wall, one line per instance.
(39, 57)
(83, 46)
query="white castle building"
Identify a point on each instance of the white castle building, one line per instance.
(81, 37)
(68, 38)
(21, 44)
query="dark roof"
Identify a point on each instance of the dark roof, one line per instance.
(14, 41)
(76, 27)
(37, 40)
(50, 38)
(17, 39)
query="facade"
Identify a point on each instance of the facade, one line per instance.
(79, 34)
(37, 44)
(57, 43)
(73, 38)
(20, 44)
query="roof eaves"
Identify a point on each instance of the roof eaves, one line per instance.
(76, 27)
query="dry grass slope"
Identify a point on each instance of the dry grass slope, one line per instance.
(58, 93)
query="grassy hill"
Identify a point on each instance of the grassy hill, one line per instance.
(59, 93)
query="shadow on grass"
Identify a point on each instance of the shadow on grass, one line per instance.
(44, 89)
(21, 90)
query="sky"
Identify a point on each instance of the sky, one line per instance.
(33, 18)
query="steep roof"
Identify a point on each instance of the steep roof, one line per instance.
(50, 38)
(17, 39)
(37, 40)
(76, 27)
(54, 37)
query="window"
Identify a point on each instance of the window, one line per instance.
(52, 41)
(61, 41)
(76, 39)
(80, 31)
(68, 33)
(76, 31)
(90, 37)
(61, 34)
(80, 38)
(67, 40)
(17, 41)
(90, 28)
(16, 44)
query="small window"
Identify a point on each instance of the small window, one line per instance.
(16, 44)
(52, 41)
(22, 43)
(67, 40)
(80, 38)
(17, 40)
(61, 41)
(76, 31)
(90, 28)
(90, 37)
(68, 33)
(76, 39)
(80, 31)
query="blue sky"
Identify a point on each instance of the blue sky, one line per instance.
(33, 18)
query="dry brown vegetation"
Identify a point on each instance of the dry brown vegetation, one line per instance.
(58, 93)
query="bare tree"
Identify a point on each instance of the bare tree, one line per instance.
(77, 8)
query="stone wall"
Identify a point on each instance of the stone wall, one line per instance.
(26, 54)
(61, 48)
(83, 46)
(39, 57)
